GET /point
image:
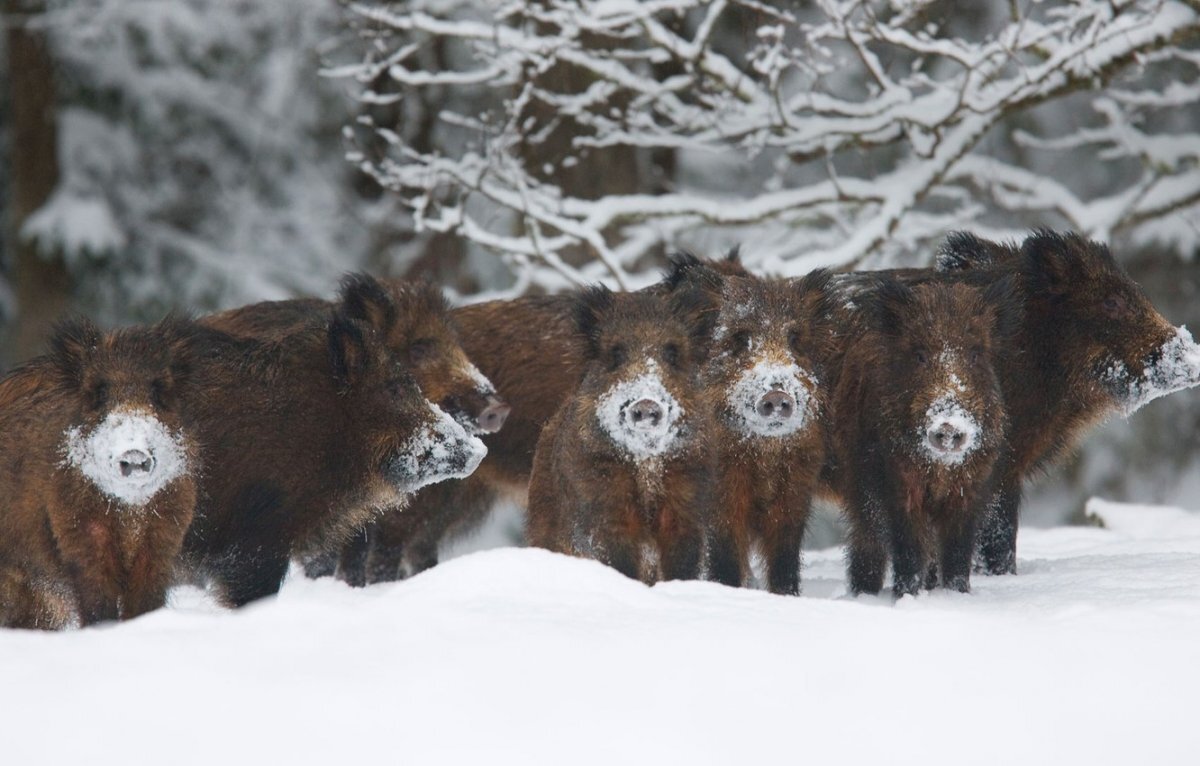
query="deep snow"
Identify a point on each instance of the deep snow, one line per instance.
(1090, 655)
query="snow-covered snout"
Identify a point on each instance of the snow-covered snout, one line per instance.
(129, 456)
(640, 415)
(1173, 366)
(951, 432)
(440, 449)
(772, 399)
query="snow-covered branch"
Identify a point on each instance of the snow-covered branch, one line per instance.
(855, 131)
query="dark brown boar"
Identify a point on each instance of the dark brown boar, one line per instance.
(762, 380)
(309, 437)
(97, 474)
(920, 429)
(625, 465)
(1090, 345)
(530, 348)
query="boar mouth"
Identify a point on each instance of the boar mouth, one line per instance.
(771, 399)
(1173, 366)
(441, 450)
(128, 457)
(640, 416)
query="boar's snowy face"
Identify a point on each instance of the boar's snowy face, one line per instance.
(1112, 334)
(440, 449)
(415, 323)
(641, 370)
(414, 442)
(770, 340)
(126, 438)
(943, 403)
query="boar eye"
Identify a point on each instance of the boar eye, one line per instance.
(98, 396)
(422, 350)
(160, 394)
(616, 356)
(975, 355)
(921, 356)
(795, 339)
(395, 387)
(740, 341)
(1114, 306)
(671, 354)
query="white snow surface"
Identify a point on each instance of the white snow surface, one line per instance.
(98, 454)
(1090, 655)
(761, 379)
(1177, 368)
(442, 450)
(641, 441)
(948, 410)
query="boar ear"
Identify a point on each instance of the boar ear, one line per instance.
(1053, 265)
(734, 255)
(349, 356)
(686, 269)
(816, 283)
(698, 309)
(73, 342)
(592, 307)
(888, 303)
(1007, 304)
(365, 299)
(178, 332)
(963, 251)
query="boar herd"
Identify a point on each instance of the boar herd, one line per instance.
(671, 433)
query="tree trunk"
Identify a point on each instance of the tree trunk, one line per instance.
(42, 284)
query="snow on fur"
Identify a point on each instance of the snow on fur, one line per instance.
(765, 377)
(946, 410)
(641, 440)
(1177, 368)
(98, 456)
(442, 450)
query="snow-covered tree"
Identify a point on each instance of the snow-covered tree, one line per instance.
(832, 133)
(201, 154)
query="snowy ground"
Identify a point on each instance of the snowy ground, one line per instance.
(1090, 655)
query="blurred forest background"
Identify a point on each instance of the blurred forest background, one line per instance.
(202, 154)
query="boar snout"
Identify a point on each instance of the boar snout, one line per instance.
(776, 404)
(946, 437)
(135, 461)
(646, 413)
(492, 418)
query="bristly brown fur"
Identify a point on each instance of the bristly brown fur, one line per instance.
(300, 447)
(917, 345)
(587, 496)
(67, 551)
(765, 483)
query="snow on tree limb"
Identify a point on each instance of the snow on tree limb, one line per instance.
(857, 132)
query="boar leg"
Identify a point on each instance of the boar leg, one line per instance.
(681, 550)
(998, 537)
(782, 551)
(322, 564)
(249, 577)
(908, 561)
(352, 567)
(726, 564)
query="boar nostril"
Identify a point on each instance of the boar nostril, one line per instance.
(493, 416)
(778, 404)
(646, 412)
(135, 461)
(946, 438)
